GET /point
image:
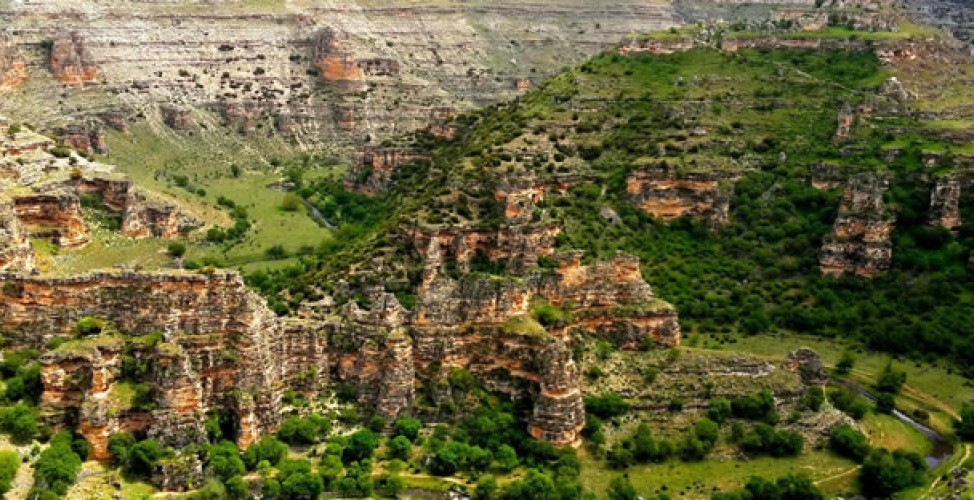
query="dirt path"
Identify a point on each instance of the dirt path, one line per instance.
(837, 476)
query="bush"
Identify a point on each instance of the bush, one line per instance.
(965, 426)
(890, 380)
(765, 439)
(119, 445)
(361, 445)
(9, 464)
(303, 486)
(224, 460)
(606, 405)
(291, 203)
(57, 468)
(760, 406)
(849, 403)
(790, 487)
(884, 473)
(719, 410)
(89, 325)
(407, 427)
(144, 455)
(849, 443)
(390, 485)
(885, 403)
(176, 249)
(303, 431)
(400, 447)
(270, 449)
(846, 363)
(20, 422)
(621, 489)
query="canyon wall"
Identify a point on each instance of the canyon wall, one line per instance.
(317, 71)
(665, 193)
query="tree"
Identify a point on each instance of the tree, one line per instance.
(719, 410)
(57, 468)
(144, 455)
(224, 460)
(270, 449)
(849, 443)
(606, 405)
(390, 485)
(486, 488)
(965, 426)
(400, 447)
(885, 403)
(890, 380)
(377, 424)
(237, 488)
(621, 489)
(303, 431)
(846, 363)
(407, 427)
(330, 469)
(9, 463)
(119, 445)
(176, 249)
(361, 445)
(707, 431)
(303, 486)
(20, 421)
(884, 473)
(506, 457)
(760, 406)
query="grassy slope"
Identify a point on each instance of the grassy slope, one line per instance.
(153, 159)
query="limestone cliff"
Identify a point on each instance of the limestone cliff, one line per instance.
(859, 243)
(13, 65)
(72, 61)
(664, 192)
(16, 253)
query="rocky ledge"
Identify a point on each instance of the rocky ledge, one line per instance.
(860, 240)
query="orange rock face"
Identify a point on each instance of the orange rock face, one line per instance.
(56, 217)
(13, 66)
(72, 62)
(661, 192)
(860, 240)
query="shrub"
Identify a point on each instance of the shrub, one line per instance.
(885, 403)
(176, 249)
(56, 468)
(361, 445)
(850, 443)
(407, 427)
(621, 489)
(884, 473)
(89, 325)
(268, 448)
(719, 410)
(303, 431)
(400, 447)
(9, 464)
(606, 405)
(846, 363)
(291, 203)
(890, 380)
(144, 455)
(760, 406)
(965, 426)
(390, 485)
(765, 439)
(20, 421)
(849, 403)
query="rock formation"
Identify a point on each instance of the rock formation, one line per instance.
(71, 61)
(13, 65)
(334, 71)
(16, 254)
(664, 192)
(55, 216)
(859, 243)
(945, 202)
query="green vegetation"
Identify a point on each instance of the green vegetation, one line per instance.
(9, 464)
(57, 468)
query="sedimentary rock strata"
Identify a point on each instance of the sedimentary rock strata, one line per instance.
(55, 216)
(13, 65)
(663, 192)
(314, 71)
(859, 243)
(16, 254)
(945, 202)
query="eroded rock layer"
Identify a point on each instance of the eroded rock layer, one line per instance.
(860, 240)
(663, 192)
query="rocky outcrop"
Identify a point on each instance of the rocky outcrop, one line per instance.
(16, 253)
(374, 168)
(53, 216)
(807, 363)
(519, 246)
(945, 202)
(71, 61)
(860, 240)
(84, 138)
(664, 192)
(319, 72)
(13, 65)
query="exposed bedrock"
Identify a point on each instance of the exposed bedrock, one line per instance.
(54, 216)
(663, 192)
(16, 253)
(71, 60)
(860, 240)
(13, 65)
